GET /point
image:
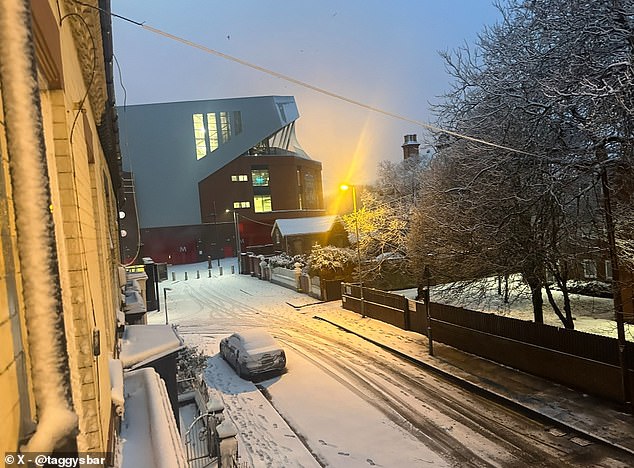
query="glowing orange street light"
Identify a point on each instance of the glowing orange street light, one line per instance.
(345, 187)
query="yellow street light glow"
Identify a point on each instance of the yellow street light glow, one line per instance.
(344, 187)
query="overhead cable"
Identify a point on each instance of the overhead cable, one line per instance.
(303, 84)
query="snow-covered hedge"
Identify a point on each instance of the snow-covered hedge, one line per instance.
(286, 261)
(330, 261)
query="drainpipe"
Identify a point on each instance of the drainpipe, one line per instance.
(50, 373)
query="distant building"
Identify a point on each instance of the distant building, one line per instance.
(211, 177)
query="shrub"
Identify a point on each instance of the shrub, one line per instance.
(331, 262)
(286, 261)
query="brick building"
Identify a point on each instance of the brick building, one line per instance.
(211, 177)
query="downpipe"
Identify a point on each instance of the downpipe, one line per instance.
(50, 373)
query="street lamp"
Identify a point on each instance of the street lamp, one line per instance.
(165, 297)
(237, 232)
(216, 232)
(345, 187)
(427, 277)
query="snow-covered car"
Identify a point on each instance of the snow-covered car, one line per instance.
(252, 352)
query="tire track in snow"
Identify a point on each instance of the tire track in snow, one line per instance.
(441, 411)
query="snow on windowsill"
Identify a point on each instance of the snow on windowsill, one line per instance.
(149, 433)
(141, 344)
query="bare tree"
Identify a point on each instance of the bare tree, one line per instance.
(553, 80)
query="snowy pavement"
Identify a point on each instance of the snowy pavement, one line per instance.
(325, 422)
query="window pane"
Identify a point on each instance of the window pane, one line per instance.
(213, 131)
(262, 203)
(589, 269)
(237, 122)
(225, 126)
(260, 177)
(199, 136)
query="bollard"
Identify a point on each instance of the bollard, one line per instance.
(233, 269)
(185, 276)
(220, 271)
(173, 276)
(209, 273)
(197, 274)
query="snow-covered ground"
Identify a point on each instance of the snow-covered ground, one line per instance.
(326, 421)
(343, 401)
(591, 314)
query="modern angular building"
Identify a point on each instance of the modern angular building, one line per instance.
(211, 177)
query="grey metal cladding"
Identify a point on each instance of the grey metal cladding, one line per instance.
(158, 146)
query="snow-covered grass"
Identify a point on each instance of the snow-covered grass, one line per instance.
(591, 314)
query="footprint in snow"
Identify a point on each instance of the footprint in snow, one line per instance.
(371, 462)
(345, 454)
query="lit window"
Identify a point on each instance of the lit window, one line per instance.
(241, 204)
(260, 177)
(239, 178)
(225, 126)
(199, 136)
(589, 269)
(262, 203)
(213, 131)
(234, 178)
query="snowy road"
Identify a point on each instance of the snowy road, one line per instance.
(344, 402)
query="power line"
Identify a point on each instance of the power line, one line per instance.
(304, 84)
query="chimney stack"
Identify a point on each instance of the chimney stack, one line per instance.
(410, 147)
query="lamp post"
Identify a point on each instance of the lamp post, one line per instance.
(345, 187)
(216, 232)
(237, 233)
(165, 297)
(427, 277)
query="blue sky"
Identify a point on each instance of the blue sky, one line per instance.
(382, 53)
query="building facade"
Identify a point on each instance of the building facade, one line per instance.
(63, 388)
(59, 179)
(211, 177)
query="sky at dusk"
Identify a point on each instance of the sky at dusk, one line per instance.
(381, 53)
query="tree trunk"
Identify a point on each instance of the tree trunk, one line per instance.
(536, 297)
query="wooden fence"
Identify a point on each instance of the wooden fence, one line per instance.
(579, 360)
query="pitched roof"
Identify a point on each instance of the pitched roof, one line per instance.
(299, 226)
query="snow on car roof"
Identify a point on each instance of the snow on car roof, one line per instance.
(256, 338)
